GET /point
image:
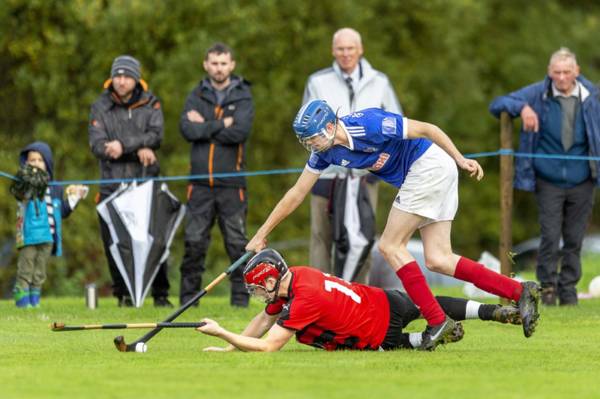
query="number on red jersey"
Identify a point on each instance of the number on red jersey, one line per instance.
(336, 285)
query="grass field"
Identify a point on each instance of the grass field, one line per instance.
(562, 359)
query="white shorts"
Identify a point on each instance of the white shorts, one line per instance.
(430, 189)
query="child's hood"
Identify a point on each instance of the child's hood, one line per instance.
(42, 148)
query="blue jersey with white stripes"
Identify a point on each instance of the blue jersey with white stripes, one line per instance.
(377, 142)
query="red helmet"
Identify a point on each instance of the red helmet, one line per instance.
(266, 263)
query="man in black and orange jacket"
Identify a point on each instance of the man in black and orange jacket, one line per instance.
(216, 120)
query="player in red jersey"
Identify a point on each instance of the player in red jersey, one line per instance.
(329, 313)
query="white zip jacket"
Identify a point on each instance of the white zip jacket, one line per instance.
(373, 90)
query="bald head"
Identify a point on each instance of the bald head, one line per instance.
(347, 34)
(563, 54)
(347, 49)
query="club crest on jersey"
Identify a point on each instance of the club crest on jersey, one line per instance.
(388, 126)
(383, 157)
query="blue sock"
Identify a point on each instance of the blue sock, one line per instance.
(34, 297)
(22, 297)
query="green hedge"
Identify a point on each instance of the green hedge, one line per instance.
(446, 59)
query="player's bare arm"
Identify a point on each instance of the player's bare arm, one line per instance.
(290, 201)
(276, 339)
(258, 326)
(418, 129)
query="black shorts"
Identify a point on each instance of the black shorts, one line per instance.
(402, 312)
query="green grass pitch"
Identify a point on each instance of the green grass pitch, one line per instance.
(561, 360)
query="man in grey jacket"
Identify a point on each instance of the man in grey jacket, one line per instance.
(350, 84)
(125, 129)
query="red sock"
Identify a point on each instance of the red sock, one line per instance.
(488, 280)
(417, 289)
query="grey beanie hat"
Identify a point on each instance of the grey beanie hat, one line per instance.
(126, 65)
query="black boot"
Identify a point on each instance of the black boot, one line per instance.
(162, 302)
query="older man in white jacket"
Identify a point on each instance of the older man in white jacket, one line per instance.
(349, 84)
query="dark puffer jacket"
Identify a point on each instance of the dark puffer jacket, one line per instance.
(216, 149)
(137, 124)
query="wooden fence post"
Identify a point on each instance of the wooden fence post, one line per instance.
(506, 194)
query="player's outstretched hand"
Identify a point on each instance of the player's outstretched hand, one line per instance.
(210, 328)
(472, 166)
(219, 349)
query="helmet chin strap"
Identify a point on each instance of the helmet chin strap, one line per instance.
(331, 137)
(276, 288)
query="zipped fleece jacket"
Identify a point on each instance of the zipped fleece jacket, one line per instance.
(216, 149)
(33, 225)
(539, 97)
(137, 124)
(373, 90)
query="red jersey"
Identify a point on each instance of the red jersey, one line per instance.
(330, 313)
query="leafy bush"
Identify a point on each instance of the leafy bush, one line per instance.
(447, 60)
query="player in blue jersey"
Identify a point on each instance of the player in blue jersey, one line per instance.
(421, 161)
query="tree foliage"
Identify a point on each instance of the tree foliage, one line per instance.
(446, 59)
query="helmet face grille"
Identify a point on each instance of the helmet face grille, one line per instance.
(266, 263)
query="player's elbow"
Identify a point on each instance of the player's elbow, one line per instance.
(294, 197)
(273, 346)
(430, 130)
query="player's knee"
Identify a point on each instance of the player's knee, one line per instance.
(385, 248)
(393, 251)
(438, 263)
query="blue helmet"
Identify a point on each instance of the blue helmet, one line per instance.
(312, 118)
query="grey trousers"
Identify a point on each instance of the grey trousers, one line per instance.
(321, 245)
(562, 213)
(31, 265)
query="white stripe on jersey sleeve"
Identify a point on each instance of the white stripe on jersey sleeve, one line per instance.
(355, 129)
(404, 127)
(312, 170)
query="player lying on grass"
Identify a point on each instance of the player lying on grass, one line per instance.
(329, 313)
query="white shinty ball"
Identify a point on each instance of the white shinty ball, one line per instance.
(594, 288)
(141, 347)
